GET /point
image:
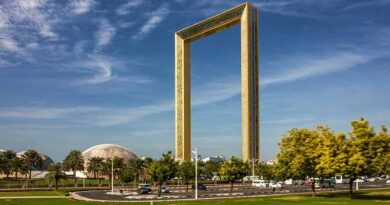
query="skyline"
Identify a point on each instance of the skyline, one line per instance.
(77, 72)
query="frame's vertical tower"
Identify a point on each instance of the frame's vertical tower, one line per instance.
(247, 15)
(249, 84)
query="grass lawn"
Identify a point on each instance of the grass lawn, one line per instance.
(32, 193)
(361, 198)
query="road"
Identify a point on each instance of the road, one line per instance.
(213, 191)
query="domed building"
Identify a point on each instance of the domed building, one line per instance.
(46, 160)
(106, 151)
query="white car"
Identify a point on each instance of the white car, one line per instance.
(274, 184)
(388, 181)
(260, 183)
(359, 180)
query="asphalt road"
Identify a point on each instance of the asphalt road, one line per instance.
(129, 194)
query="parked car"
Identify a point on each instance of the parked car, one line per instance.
(144, 189)
(388, 181)
(200, 187)
(260, 183)
(359, 180)
(165, 190)
(275, 184)
(327, 183)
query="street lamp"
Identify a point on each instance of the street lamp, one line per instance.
(196, 172)
(253, 167)
(112, 175)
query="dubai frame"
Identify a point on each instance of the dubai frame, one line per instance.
(246, 15)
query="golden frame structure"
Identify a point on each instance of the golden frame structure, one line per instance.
(246, 15)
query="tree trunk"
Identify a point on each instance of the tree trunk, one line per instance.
(231, 188)
(351, 187)
(159, 189)
(313, 187)
(16, 175)
(29, 173)
(75, 178)
(281, 187)
(187, 186)
(56, 184)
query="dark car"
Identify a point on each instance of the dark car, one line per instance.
(200, 187)
(164, 190)
(144, 189)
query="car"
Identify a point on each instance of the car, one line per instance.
(274, 184)
(144, 189)
(260, 183)
(388, 181)
(165, 190)
(200, 187)
(359, 180)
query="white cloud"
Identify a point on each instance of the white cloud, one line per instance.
(30, 15)
(216, 91)
(125, 8)
(100, 66)
(105, 33)
(316, 66)
(81, 6)
(9, 45)
(43, 112)
(154, 19)
(366, 3)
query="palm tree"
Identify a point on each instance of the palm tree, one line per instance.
(32, 159)
(8, 158)
(19, 166)
(138, 166)
(95, 164)
(55, 173)
(74, 162)
(106, 169)
(118, 165)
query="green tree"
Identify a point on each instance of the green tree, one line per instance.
(118, 166)
(358, 156)
(186, 171)
(55, 173)
(380, 153)
(95, 165)
(8, 160)
(265, 171)
(210, 168)
(74, 161)
(299, 153)
(106, 169)
(232, 170)
(33, 159)
(281, 171)
(19, 166)
(127, 174)
(138, 167)
(163, 169)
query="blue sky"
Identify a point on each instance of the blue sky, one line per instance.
(78, 73)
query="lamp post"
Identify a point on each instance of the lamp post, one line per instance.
(253, 167)
(196, 172)
(112, 176)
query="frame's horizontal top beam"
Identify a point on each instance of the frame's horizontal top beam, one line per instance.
(213, 24)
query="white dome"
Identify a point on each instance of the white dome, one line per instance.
(108, 151)
(46, 160)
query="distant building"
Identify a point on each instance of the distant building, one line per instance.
(46, 161)
(218, 159)
(107, 151)
(270, 162)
